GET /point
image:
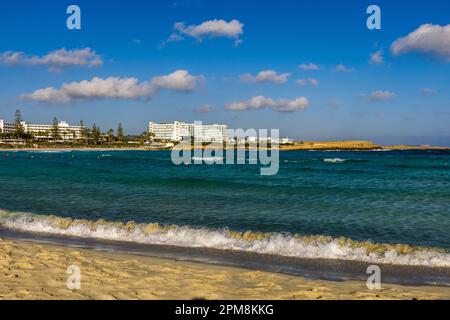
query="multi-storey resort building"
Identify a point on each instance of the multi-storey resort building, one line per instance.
(177, 130)
(44, 131)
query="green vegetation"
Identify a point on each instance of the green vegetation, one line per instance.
(56, 136)
(19, 131)
(18, 127)
(120, 136)
(55, 130)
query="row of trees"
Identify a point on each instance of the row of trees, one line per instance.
(55, 134)
(96, 136)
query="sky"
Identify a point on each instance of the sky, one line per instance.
(312, 69)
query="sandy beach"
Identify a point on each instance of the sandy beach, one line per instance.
(38, 271)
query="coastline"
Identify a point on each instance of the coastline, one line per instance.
(38, 271)
(306, 145)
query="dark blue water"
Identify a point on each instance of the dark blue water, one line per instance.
(389, 197)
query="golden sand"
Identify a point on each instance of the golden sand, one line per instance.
(332, 145)
(38, 271)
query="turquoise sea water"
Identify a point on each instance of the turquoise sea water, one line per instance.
(395, 197)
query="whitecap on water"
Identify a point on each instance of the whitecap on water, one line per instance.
(289, 245)
(334, 160)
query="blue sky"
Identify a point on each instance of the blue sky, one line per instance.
(403, 98)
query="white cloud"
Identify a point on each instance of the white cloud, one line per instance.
(376, 57)
(215, 28)
(174, 37)
(211, 28)
(342, 68)
(10, 58)
(310, 81)
(55, 60)
(179, 80)
(379, 95)
(260, 102)
(429, 39)
(428, 91)
(96, 88)
(309, 66)
(265, 76)
(115, 88)
(49, 94)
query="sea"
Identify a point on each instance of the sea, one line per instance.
(325, 214)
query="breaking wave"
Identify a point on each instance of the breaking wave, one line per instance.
(290, 245)
(334, 160)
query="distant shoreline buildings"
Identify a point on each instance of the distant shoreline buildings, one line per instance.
(43, 131)
(174, 132)
(178, 131)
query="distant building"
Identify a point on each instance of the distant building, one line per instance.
(177, 131)
(43, 131)
(255, 140)
(286, 140)
(6, 127)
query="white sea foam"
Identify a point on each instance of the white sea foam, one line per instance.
(207, 158)
(334, 160)
(266, 243)
(49, 151)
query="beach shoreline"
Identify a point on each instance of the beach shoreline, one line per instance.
(31, 270)
(350, 145)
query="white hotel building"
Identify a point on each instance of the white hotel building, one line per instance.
(177, 130)
(43, 131)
